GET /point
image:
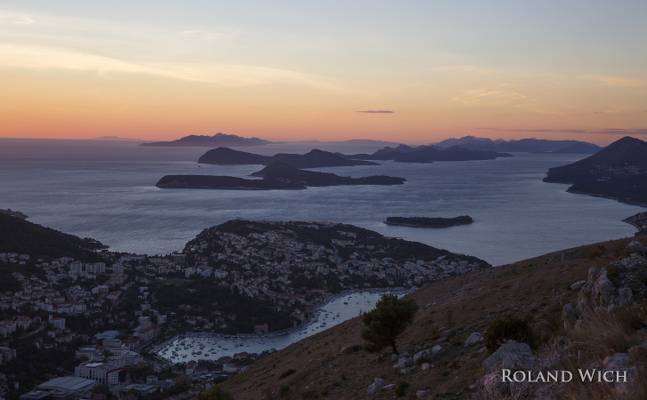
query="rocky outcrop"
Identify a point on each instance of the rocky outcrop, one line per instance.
(510, 355)
(474, 338)
(618, 284)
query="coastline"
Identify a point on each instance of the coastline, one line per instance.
(155, 349)
(616, 198)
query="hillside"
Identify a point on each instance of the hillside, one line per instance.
(20, 236)
(332, 364)
(618, 171)
(296, 265)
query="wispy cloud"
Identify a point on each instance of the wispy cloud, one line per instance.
(468, 68)
(612, 80)
(501, 94)
(376, 111)
(15, 18)
(228, 75)
(53, 42)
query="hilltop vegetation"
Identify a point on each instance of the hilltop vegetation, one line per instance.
(21, 236)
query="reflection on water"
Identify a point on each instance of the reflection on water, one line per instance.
(106, 191)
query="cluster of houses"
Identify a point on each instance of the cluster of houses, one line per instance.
(288, 269)
(65, 288)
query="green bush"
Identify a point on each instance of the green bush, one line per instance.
(401, 389)
(509, 328)
(215, 393)
(387, 321)
(286, 373)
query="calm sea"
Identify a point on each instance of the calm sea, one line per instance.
(106, 190)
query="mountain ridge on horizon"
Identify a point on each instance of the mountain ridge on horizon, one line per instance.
(524, 145)
(218, 139)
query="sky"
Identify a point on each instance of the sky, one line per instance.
(406, 71)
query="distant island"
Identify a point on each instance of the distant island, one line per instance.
(427, 222)
(313, 159)
(219, 139)
(619, 171)
(223, 182)
(276, 176)
(521, 145)
(429, 154)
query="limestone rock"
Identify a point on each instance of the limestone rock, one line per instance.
(376, 386)
(473, 338)
(510, 355)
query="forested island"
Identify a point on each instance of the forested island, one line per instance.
(312, 159)
(276, 176)
(429, 222)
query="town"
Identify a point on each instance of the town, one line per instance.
(71, 327)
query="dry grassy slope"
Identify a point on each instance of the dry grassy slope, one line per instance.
(450, 310)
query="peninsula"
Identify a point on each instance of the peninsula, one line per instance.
(619, 171)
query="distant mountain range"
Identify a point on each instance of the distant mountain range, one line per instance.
(521, 145)
(429, 153)
(312, 159)
(618, 171)
(219, 139)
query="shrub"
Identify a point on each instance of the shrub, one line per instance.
(613, 274)
(401, 389)
(286, 373)
(387, 321)
(509, 328)
(215, 393)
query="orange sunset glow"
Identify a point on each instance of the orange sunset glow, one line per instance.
(296, 72)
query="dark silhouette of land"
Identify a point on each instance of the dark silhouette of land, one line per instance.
(313, 159)
(429, 154)
(522, 145)
(276, 176)
(219, 139)
(427, 222)
(619, 171)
